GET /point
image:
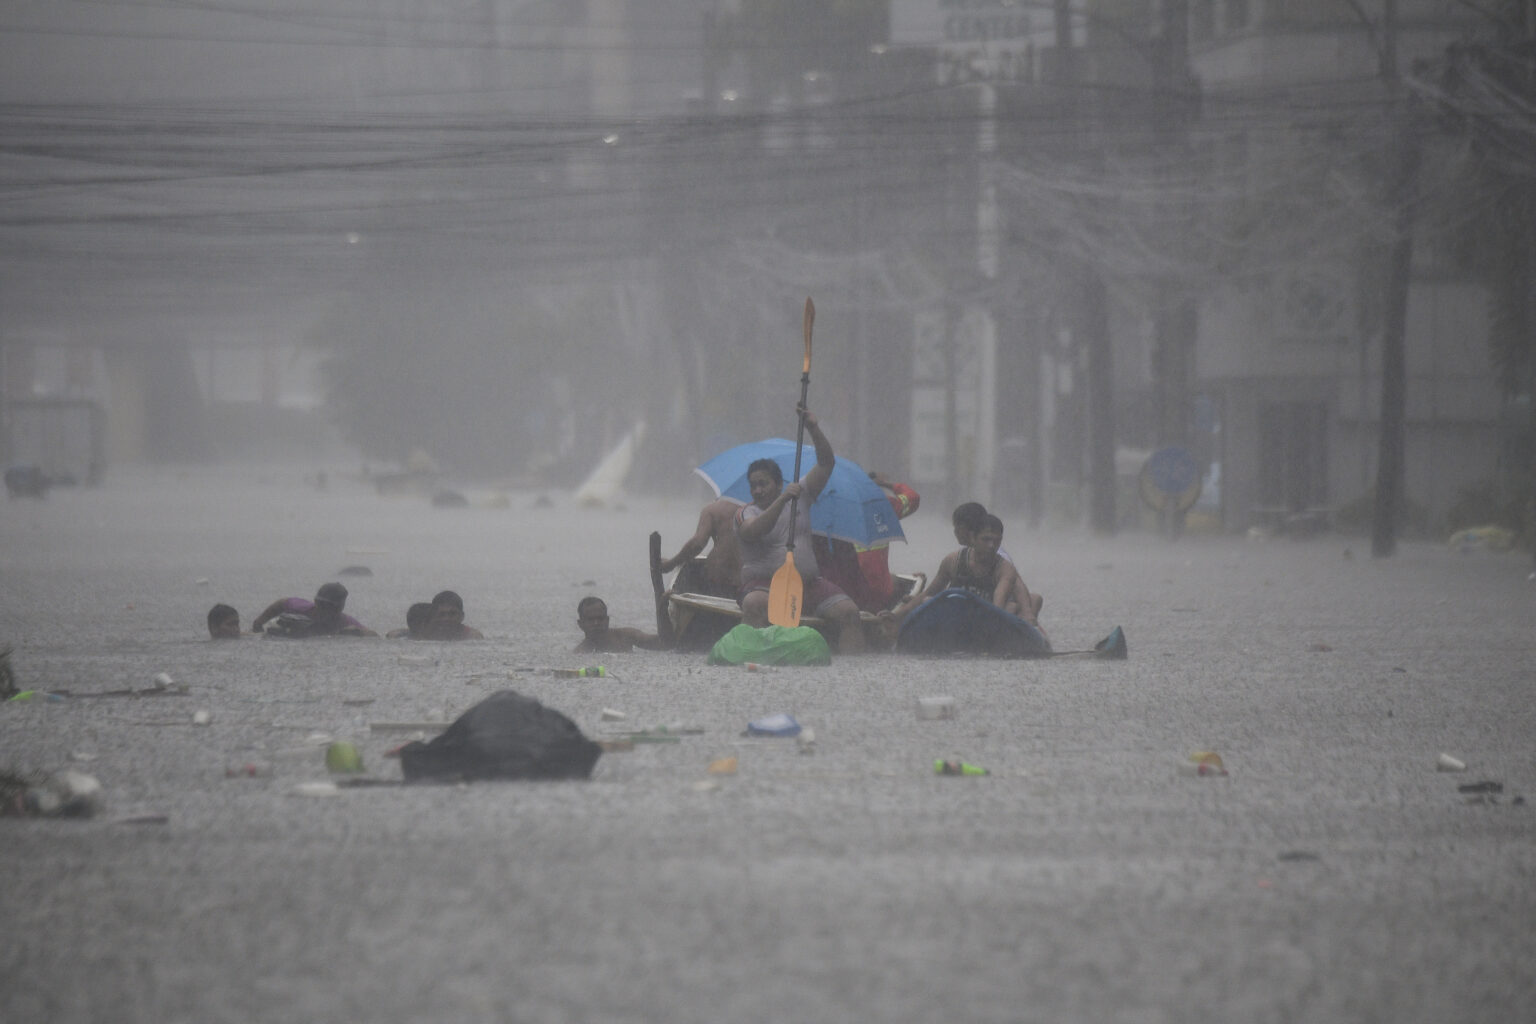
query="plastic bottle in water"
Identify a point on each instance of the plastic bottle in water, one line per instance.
(590, 672)
(943, 767)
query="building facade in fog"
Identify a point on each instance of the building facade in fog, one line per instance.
(204, 196)
(1290, 360)
(553, 220)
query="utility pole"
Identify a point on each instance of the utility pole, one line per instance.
(988, 252)
(1101, 407)
(1176, 320)
(1527, 214)
(1090, 319)
(1386, 512)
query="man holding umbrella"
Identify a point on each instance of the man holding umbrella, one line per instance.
(763, 535)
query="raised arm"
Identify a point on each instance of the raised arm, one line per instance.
(817, 478)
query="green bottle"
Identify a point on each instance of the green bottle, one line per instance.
(943, 767)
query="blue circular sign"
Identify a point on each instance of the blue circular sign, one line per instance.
(1171, 475)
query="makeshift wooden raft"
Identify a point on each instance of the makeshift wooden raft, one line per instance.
(698, 620)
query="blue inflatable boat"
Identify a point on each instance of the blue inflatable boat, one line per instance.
(958, 621)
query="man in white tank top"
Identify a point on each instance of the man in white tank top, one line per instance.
(762, 535)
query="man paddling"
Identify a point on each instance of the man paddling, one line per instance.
(762, 537)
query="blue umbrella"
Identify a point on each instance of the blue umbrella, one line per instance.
(851, 507)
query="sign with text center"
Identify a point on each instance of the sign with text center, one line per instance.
(976, 40)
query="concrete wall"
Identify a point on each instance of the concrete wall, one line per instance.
(127, 402)
(1453, 403)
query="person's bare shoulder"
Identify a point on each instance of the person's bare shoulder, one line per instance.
(616, 641)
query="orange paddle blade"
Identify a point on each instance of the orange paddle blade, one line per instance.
(810, 320)
(784, 594)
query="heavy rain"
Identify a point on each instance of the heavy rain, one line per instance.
(1222, 307)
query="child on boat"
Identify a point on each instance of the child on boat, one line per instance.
(981, 568)
(967, 519)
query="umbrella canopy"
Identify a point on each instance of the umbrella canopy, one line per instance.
(851, 507)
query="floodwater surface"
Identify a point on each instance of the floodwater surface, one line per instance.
(1334, 874)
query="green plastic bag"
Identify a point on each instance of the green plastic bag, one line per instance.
(771, 645)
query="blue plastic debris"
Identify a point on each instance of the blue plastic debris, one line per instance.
(774, 725)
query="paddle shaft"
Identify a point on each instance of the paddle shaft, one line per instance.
(787, 588)
(805, 389)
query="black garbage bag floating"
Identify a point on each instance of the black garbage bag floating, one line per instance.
(505, 736)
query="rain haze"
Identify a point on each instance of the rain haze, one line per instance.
(1223, 306)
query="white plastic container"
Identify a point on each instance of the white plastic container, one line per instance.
(931, 708)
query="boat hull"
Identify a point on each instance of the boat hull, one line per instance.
(958, 621)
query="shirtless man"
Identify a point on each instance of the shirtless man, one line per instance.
(721, 572)
(598, 637)
(418, 617)
(981, 569)
(447, 622)
(762, 534)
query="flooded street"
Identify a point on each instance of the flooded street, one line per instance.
(1335, 874)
